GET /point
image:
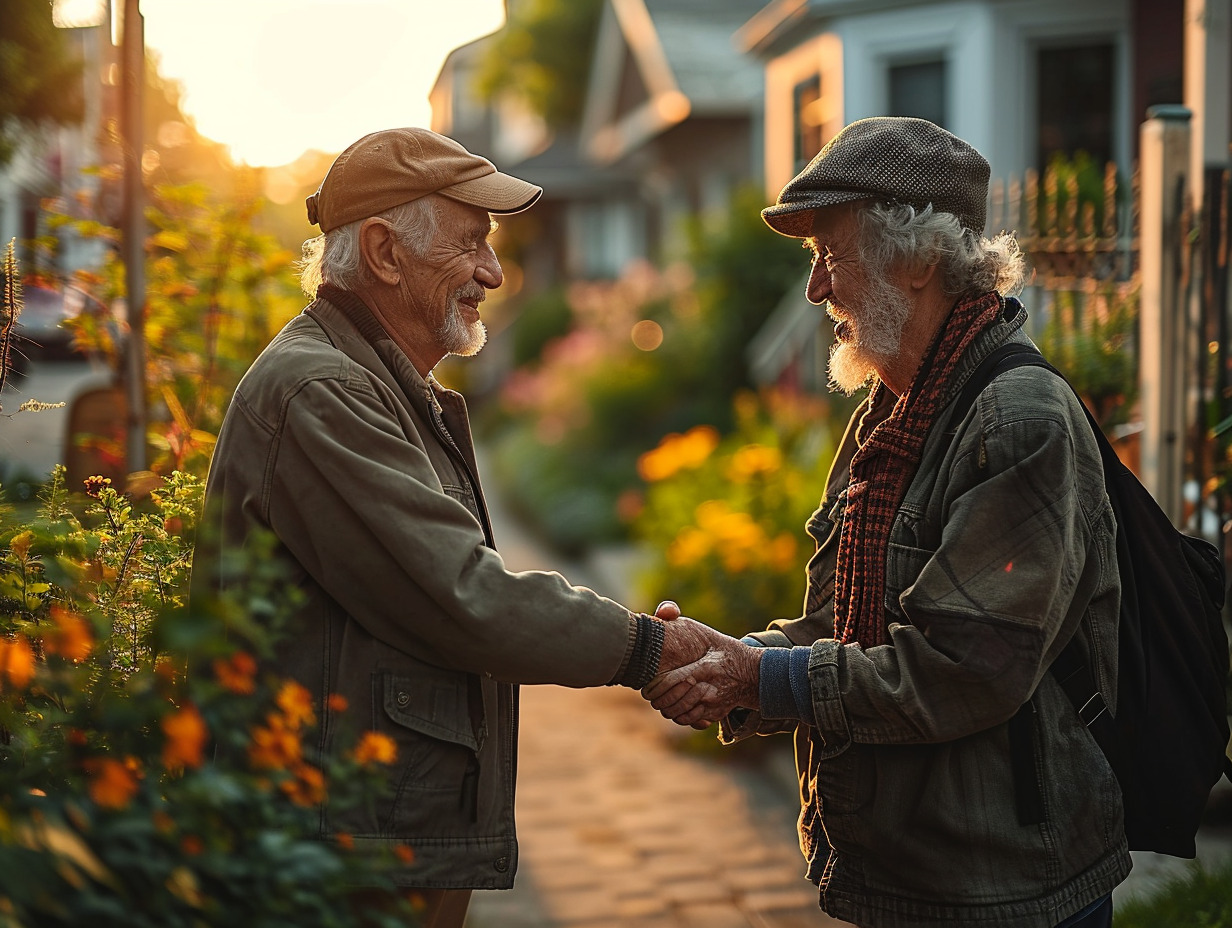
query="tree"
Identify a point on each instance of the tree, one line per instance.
(40, 78)
(544, 52)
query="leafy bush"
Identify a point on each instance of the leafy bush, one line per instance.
(150, 773)
(1201, 897)
(724, 517)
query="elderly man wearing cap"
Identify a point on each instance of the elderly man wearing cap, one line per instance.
(340, 442)
(959, 547)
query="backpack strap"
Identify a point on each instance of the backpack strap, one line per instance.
(1070, 668)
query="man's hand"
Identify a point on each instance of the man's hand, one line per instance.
(684, 640)
(706, 690)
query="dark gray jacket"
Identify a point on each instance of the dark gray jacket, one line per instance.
(366, 474)
(1003, 548)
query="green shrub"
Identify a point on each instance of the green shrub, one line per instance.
(150, 773)
(724, 517)
(1201, 897)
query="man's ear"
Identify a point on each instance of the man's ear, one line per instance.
(921, 276)
(376, 250)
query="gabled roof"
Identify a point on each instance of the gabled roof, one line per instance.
(657, 62)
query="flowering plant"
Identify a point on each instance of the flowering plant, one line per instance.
(723, 517)
(150, 772)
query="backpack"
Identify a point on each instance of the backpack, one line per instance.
(1167, 738)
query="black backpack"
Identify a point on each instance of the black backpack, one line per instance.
(1168, 736)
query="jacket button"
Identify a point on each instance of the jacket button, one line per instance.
(501, 864)
(404, 700)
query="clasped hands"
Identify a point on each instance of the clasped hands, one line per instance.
(703, 674)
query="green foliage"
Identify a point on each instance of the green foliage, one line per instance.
(114, 696)
(1201, 897)
(1090, 337)
(541, 318)
(217, 291)
(543, 54)
(724, 518)
(40, 79)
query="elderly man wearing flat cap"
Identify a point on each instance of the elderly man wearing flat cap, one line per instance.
(340, 442)
(945, 776)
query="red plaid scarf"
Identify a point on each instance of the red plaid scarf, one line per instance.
(882, 469)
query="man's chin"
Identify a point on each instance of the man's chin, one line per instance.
(850, 368)
(469, 346)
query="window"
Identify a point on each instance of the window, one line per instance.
(807, 110)
(1074, 101)
(918, 89)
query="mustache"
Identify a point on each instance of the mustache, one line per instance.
(470, 291)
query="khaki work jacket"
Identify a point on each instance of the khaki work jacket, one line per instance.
(365, 473)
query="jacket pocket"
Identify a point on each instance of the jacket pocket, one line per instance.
(428, 714)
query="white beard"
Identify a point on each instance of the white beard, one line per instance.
(876, 321)
(459, 337)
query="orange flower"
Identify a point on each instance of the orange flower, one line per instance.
(337, 702)
(345, 841)
(375, 748)
(94, 485)
(405, 853)
(73, 637)
(236, 673)
(17, 661)
(191, 845)
(308, 786)
(296, 704)
(113, 783)
(186, 734)
(274, 746)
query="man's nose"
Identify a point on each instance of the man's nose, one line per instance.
(819, 283)
(489, 271)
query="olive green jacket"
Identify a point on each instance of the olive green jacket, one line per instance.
(1003, 548)
(365, 473)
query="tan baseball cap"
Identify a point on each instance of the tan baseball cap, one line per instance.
(394, 166)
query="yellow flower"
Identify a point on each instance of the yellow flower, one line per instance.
(17, 662)
(274, 746)
(307, 787)
(688, 547)
(20, 545)
(782, 552)
(375, 748)
(296, 704)
(94, 485)
(337, 702)
(73, 637)
(753, 461)
(186, 734)
(113, 783)
(237, 673)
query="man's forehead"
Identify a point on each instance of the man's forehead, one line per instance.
(832, 221)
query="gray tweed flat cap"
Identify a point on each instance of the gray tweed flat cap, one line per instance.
(890, 158)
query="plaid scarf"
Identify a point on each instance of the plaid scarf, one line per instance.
(884, 466)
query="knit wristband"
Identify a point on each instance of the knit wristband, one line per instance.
(647, 649)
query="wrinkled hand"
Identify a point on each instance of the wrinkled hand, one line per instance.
(697, 694)
(684, 640)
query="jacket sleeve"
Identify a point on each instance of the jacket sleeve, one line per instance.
(1020, 556)
(359, 506)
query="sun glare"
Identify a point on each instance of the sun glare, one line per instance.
(275, 78)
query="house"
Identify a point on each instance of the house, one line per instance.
(1025, 82)
(671, 125)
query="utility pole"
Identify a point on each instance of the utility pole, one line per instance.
(133, 231)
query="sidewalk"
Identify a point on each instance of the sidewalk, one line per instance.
(619, 829)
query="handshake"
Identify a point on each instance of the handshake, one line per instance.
(703, 674)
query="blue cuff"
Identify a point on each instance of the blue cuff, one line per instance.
(784, 688)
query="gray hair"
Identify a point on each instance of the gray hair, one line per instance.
(334, 257)
(895, 234)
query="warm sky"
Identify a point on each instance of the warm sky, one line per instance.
(273, 78)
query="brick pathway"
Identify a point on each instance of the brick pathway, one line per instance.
(619, 828)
